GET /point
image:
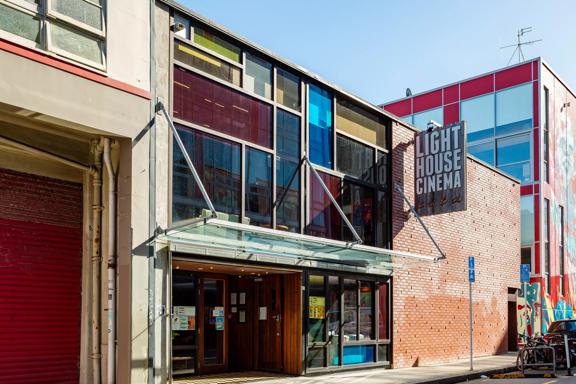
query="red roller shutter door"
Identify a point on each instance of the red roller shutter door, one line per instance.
(40, 278)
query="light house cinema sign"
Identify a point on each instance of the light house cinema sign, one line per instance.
(440, 166)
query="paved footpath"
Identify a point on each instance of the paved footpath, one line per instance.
(441, 374)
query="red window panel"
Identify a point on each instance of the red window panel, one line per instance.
(400, 108)
(535, 101)
(211, 105)
(535, 67)
(536, 189)
(451, 94)
(513, 76)
(537, 257)
(536, 157)
(325, 221)
(526, 190)
(427, 101)
(452, 113)
(476, 87)
(536, 219)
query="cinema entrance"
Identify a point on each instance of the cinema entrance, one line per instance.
(229, 317)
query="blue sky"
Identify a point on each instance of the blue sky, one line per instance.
(377, 48)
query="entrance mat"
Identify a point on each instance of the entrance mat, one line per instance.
(225, 378)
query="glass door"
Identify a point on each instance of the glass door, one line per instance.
(183, 322)
(213, 332)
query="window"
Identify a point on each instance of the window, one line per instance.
(546, 133)
(526, 256)
(333, 318)
(218, 164)
(366, 311)
(211, 105)
(513, 156)
(408, 119)
(527, 220)
(316, 309)
(514, 110)
(321, 128)
(325, 221)
(216, 44)
(421, 119)
(207, 63)
(360, 123)
(546, 223)
(484, 152)
(259, 187)
(288, 89)
(358, 205)
(258, 77)
(71, 28)
(355, 159)
(561, 251)
(350, 320)
(287, 160)
(479, 116)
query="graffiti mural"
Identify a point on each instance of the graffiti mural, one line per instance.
(529, 309)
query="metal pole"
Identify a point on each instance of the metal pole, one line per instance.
(525, 317)
(327, 191)
(567, 348)
(471, 354)
(160, 106)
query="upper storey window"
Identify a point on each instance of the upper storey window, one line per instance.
(216, 44)
(421, 119)
(360, 123)
(514, 110)
(74, 29)
(321, 128)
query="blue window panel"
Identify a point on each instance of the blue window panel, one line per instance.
(479, 116)
(321, 128)
(421, 119)
(514, 109)
(358, 354)
(513, 149)
(484, 152)
(520, 171)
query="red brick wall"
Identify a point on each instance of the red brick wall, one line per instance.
(430, 301)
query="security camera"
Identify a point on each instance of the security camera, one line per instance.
(177, 27)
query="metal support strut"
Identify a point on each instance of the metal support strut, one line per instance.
(398, 189)
(160, 107)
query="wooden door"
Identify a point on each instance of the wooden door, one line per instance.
(212, 324)
(269, 315)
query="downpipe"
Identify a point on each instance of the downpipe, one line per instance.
(111, 261)
(96, 260)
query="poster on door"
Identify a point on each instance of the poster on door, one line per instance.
(317, 307)
(184, 318)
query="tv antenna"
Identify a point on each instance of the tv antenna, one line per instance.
(519, 44)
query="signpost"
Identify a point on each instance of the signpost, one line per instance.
(524, 279)
(471, 279)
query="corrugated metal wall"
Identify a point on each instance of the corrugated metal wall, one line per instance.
(40, 278)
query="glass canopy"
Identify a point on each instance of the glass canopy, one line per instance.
(218, 234)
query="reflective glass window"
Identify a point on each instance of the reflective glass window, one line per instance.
(514, 109)
(355, 159)
(358, 205)
(325, 221)
(218, 164)
(333, 318)
(421, 119)
(382, 170)
(479, 116)
(288, 89)
(316, 309)
(207, 63)
(360, 123)
(408, 119)
(86, 12)
(211, 105)
(287, 159)
(258, 76)
(350, 319)
(216, 44)
(358, 354)
(527, 220)
(320, 126)
(513, 156)
(259, 187)
(78, 44)
(526, 256)
(484, 152)
(366, 314)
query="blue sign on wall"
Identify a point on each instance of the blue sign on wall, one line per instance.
(471, 276)
(524, 273)
(470, 262)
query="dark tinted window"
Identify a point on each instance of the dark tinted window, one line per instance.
(259, 187)
(355, 159)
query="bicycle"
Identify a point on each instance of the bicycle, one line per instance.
(535, 353)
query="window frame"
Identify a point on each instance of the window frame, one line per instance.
(561, 250)
(546, 230)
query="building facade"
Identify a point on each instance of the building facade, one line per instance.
(520, 119)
